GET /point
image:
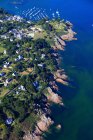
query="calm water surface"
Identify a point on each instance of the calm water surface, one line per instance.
(77, 116)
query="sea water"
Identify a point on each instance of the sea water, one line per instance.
(76, 117)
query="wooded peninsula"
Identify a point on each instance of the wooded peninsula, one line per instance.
(29, 74)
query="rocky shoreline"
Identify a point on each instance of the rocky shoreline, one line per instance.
(30, 73)
(60, 41)
(52, 97)
(41, 127)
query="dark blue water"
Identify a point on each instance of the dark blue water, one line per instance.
(77, 117)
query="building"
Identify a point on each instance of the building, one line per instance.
(19, 58)
(21, 88)
(9, 121)
(14, 73)
(36, 84)
(2, 74)
(4, 51)
(41, 65)
(42, 56)
(7, 64)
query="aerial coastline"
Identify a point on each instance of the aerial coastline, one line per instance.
(29, 73)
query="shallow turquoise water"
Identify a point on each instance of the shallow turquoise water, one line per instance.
(77, 116)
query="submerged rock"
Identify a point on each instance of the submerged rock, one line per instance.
(58, 126)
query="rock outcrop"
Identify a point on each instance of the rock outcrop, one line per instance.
(53, 97)
(61, 77)
(69, 36)
(42, 126)
(59, 44)
(33, 136)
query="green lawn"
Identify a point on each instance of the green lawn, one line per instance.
(3, 91)
(1, 49)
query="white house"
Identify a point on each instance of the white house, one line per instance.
(42, 56)
(17, 92)
(1, 21)
(21, 88)
(5, 84)
(18, 36)
(40, 65)
(11, 39)
(4, 51)
(14, 73)
(6, 64)
(17, 51)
